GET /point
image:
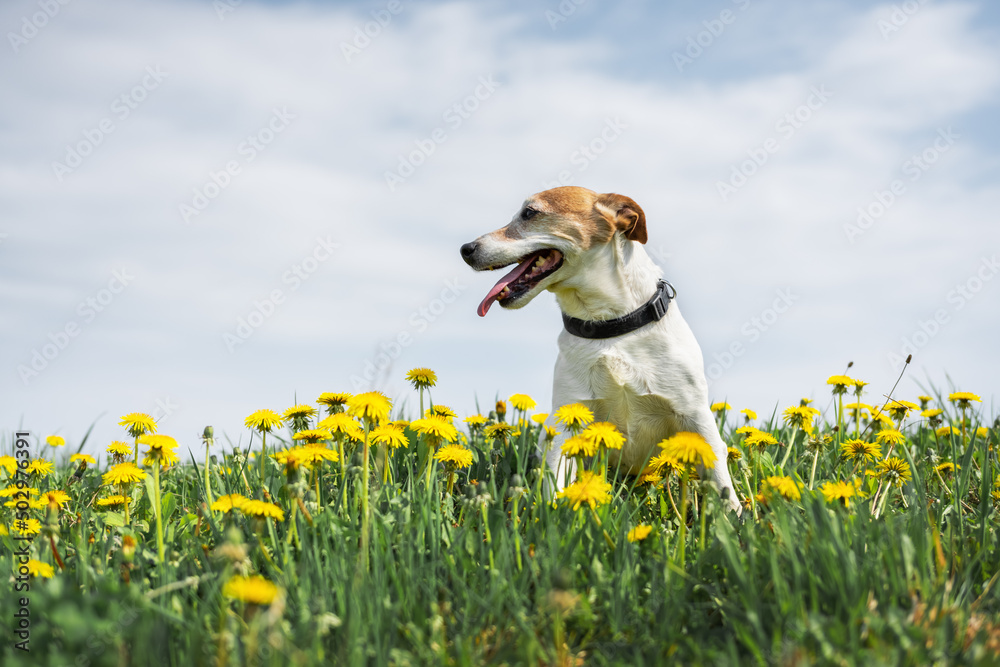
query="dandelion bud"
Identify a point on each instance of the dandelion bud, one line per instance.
(128, 548)
(501, 410)
(209, 433)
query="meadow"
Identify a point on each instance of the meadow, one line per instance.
(337, 532)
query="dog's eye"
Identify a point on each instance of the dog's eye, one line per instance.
(528, 213)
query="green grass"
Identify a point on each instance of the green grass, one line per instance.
(465, 579)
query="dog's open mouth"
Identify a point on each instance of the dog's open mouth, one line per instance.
(527, 274)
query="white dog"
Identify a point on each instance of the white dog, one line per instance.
(631, 357)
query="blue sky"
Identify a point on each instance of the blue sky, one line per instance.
(196, 219)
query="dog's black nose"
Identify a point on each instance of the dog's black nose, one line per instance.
(469, 249)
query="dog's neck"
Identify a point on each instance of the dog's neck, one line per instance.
(614, 279)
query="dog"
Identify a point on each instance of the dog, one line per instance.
(631, 358)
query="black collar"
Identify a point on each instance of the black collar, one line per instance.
(652, 311)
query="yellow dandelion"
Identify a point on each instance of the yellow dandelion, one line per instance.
(441, 411)
(371, 406)
(689, 448)
(749, 414)
(898, 409)
(119, 448)
(590, 488)
(963, 399)
(9, 463)
(982, 432)
(840, 383)
(539, 418)
(312, 454)
(733, 454)
(639, 533)
(160, 449)
(890, 436)
(37, 568)
(300, 411)
(263, 421)
(946, 467)
(840, 492)
(930, 413)
(664, 462)
(455, 456)
(390, 435)
(604, 434)
(262, 509)
(14, 490)
(228, 502)
(113, 501)
(522, 402)
(475, 420)
(255, 590)
(801, 416)
(650, 476)
(333, 400)
(759, 439)
(785, 486)
(579, 446)
(83, 458)
(40, 467)
(574, 416)
(859, 449)
(28, 526)
(720, 407)
(894, 470)
(436, 428)
(421, 377)
(343, 423)
(945, 431)
(138, 423)
(313, 435)
(124, 473)
(55, 441)
(56, 498)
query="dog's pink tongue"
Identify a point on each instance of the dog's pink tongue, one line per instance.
(514, 274)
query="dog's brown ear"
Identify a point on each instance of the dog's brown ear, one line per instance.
(627, 216)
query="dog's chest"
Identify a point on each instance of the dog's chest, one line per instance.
(621, 384)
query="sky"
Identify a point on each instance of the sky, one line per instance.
(208, 208)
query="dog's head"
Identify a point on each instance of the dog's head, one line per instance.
(550, 239)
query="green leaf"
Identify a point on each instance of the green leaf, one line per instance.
(168, 504)
(114, 519)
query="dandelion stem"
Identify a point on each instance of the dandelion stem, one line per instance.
(365, 519)
(812, 475)
(157, 509)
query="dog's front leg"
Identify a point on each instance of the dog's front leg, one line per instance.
(561, 467)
